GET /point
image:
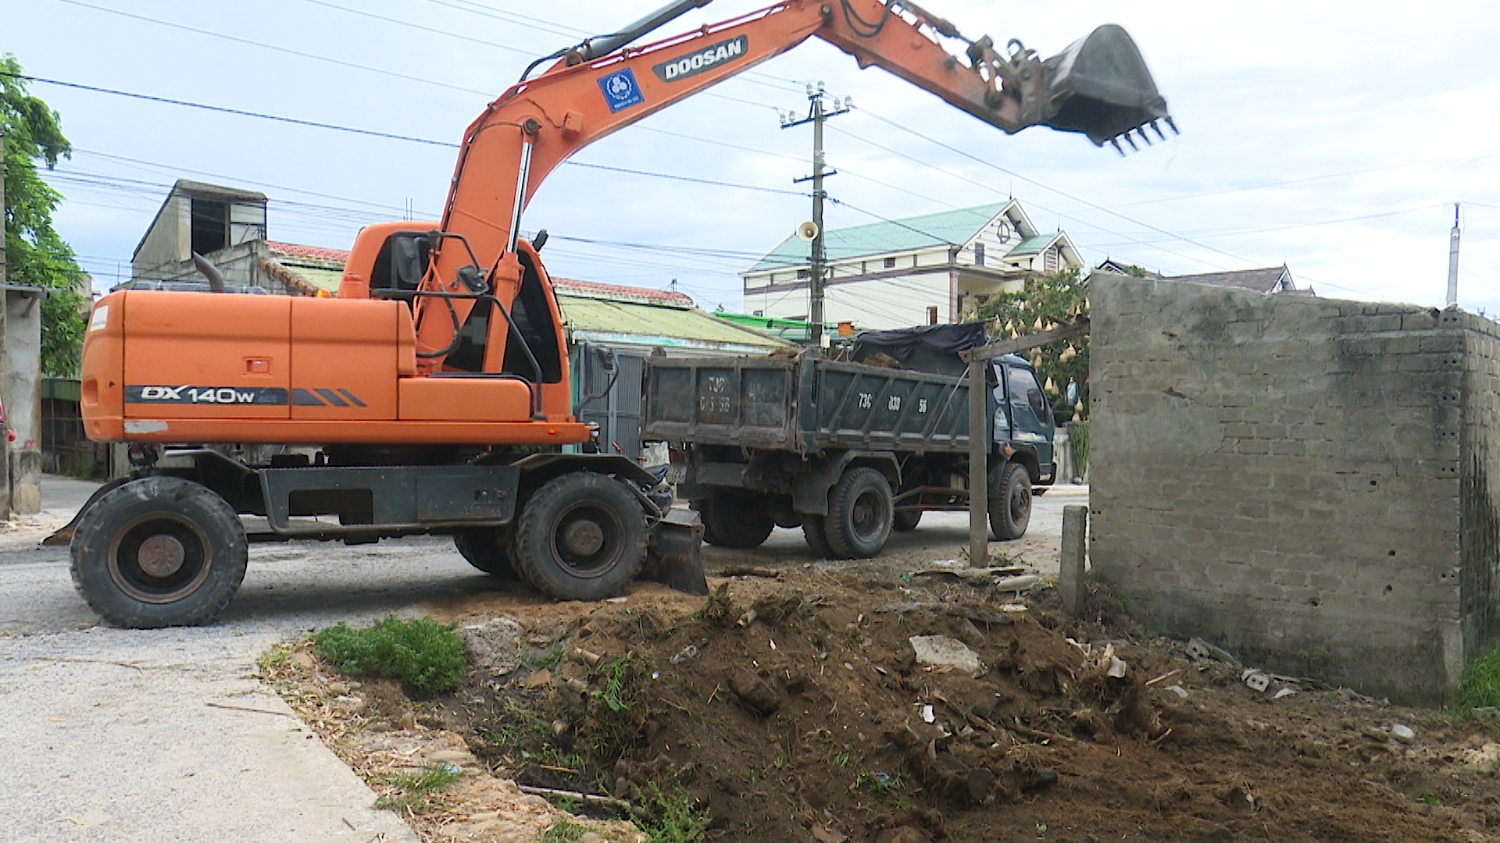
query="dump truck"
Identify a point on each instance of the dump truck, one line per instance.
(846, 450)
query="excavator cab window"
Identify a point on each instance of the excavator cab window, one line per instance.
(400, 265)
(533, 318)
(469, 355)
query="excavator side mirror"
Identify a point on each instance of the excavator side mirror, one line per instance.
(1100, 86)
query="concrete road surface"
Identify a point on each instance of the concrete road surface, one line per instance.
(163, 735)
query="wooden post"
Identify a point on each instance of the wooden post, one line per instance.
(1075, 527)
(979, 475)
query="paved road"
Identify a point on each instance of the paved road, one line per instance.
(110, 736)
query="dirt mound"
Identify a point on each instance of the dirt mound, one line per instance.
(796, 708)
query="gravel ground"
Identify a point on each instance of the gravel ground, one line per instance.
(165, 735)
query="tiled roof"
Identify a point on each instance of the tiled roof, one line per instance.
(926, 231)
(596, 318)
(312, 252)
(594, 289)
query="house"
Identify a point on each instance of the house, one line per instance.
(1272, 279)
(227, 226)
(922, 270)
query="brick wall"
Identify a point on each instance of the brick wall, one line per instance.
(1307, 482)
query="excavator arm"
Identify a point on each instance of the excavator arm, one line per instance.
(1099, 86)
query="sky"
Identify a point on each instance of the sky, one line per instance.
(1334, 137)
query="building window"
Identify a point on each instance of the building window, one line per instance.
(979, 254)
(1051, 260)
(932, 314)
(759, 313)
(803, 274)
(210, 225)
(890, 263)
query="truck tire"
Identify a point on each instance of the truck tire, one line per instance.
(737, 519)
(582, 536)
(490, 550)
(817, 536)
(859, 514)
(1010, 502)
(905, 522)
(159, 551)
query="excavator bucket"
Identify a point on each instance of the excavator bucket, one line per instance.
(1100, 86)
(674, 554)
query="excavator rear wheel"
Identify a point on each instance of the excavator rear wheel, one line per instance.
(159, 551)
(490, 550)
(581, 536)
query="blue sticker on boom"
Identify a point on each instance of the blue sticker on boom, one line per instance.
(620, 90)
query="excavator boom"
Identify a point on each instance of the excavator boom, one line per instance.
(1099, 86)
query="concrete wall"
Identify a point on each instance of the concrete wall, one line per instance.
(21, 386)
(1306, 482)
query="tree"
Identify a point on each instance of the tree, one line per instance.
(1047, 299)
(35, 254)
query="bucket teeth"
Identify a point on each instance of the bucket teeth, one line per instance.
(1115, 142)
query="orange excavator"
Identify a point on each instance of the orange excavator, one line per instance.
(433, 394)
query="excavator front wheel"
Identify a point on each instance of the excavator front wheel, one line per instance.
(581, 536)
(159, 551)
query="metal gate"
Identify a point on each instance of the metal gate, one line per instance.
(618, 413)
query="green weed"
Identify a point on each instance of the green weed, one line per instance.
(564, 832)
(671, 819)
(422, 653)
(418, 788)
(1481, 684)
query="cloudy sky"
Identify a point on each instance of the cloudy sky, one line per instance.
(1333, 136)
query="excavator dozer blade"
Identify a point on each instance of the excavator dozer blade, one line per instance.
(1100, 86)
(674, 555)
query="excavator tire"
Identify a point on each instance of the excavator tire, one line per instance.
(736, 519)
(581, 536)
(159, 551)
(859, 514)
(817, 537)
(1010, 501)
(905, 522)
(491, 551)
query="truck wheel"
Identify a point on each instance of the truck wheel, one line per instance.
(737, 519)
(1010, 503)
(159, 551)
(582, 536)
(859, 514)
(817, 537)
(701, 507)
(490, 551)
(905, 522)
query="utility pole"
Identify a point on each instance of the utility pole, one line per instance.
(816, 115)
(1453, 260)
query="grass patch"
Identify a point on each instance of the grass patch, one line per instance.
(671, 819)
(417, 789)
(1481, 684)
(421, 653)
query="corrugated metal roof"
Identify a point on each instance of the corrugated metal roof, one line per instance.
(926, 231)
(656, 324)
(1260, 280)
(1032, 245)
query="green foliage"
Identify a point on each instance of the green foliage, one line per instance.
(617, 675)
(417, 788)
(1052, 298)
(1481, 683)
(1079, 437)
(422, 653)
(35, 254)
(564, 832)
(671, 819)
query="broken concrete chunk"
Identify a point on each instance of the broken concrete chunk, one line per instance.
(1257, 680)
(1402, 733)
(1200, 650)
(942, 651)
(1180, 691)
(1284, 693)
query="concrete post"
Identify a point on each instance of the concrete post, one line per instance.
(1075, 527)
(979, 475)
(22, 388)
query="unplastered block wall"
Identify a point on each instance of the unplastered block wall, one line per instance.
(1307, 482)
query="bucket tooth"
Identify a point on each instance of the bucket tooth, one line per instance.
(1172, 124)
(1133, 147)
(1141, 130)
(1157, 129)
(1115, 142)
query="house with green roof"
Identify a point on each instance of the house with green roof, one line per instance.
(924, 270)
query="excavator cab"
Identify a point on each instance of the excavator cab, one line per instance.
(1099, 86)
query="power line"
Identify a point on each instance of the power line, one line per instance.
(418, 26)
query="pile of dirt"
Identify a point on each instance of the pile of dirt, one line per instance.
(808, 707)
